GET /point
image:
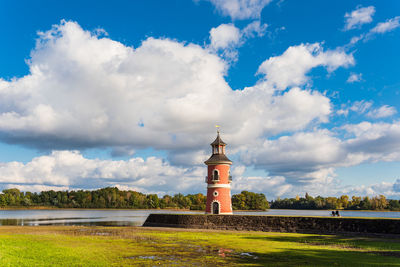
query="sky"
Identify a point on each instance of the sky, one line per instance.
(127, 93)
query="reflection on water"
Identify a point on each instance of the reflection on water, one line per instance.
(137, 217)
(80, 217)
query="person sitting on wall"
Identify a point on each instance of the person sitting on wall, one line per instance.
(337, 213)
(333, 213)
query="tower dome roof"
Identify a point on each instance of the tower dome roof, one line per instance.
(218, 156)
(218, 141)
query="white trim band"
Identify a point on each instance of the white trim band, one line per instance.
(219, 186)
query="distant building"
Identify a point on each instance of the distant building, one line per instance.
(218, 180)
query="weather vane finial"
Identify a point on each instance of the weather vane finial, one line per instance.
(217, 126)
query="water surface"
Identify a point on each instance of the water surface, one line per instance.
(115, 217)
(112, 217)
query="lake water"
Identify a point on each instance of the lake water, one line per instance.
(137, 217)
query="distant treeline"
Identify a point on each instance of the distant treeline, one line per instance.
(112, 197)
(343, 202)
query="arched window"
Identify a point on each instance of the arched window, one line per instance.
(215, 175)
(215, 207)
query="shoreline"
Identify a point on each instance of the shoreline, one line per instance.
(175, 209)
(56, 208)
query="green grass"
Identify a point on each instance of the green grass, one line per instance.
(122, 246)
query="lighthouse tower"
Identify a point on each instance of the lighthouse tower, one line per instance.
(218, 180)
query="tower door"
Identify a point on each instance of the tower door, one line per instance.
(215, 208)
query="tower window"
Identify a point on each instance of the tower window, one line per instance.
(215, 175)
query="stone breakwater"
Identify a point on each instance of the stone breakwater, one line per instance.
(319, 225)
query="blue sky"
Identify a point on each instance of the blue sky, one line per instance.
(127, 93)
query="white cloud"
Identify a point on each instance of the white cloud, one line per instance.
(382, 112)
(240, 9)
(373, 142)
(302, 157)
(34, 188)
(297, 164)
(291, 67)
(386, 26)
(254, 28)
(87, 91)
(365, 107)
(63, 170)
(343, 112)
(390, 190)
(358, 17)
(69, 170)
(225, 35)
(354, 77)
(270, 186)
(84, 90)
(380, 28)
(226, 38)
(356, 39)
(308, 160)
(361, 106)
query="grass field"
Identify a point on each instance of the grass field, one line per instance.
(122, 246)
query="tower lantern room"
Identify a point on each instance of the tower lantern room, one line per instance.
(218, 179)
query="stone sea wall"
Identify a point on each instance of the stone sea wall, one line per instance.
(320, 225)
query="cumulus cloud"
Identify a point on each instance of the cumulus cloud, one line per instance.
(63, 170)
(84, 90)
(358, 17)
(373, 142)
(271, 186)
(291, 67)
(301, 157)
(34, 188)
(240, 9)
(70, 170)
(388, 189)
(87, 91)
(309, 159)
(224, 35)
(226, 38)
(354, 77)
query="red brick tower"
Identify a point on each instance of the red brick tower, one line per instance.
(218, 180)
